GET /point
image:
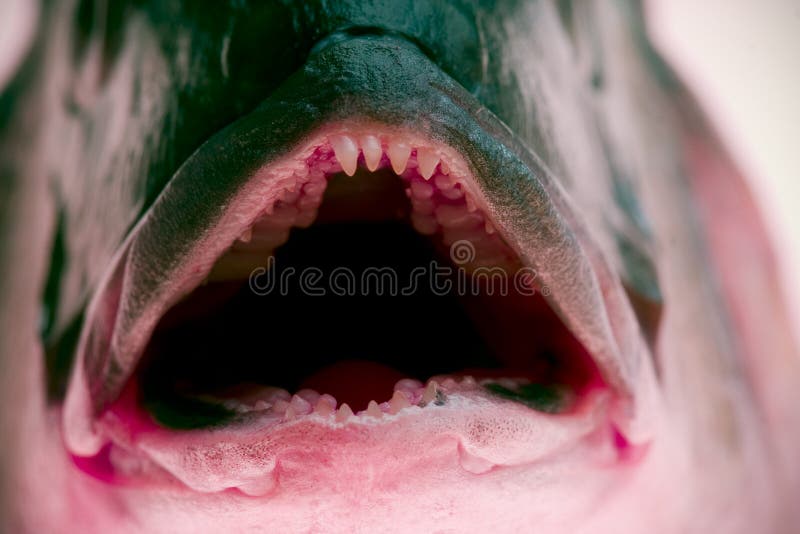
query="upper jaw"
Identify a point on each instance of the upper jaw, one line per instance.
(355, 84)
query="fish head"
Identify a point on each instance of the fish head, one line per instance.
(335, 266)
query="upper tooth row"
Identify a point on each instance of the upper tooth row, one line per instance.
(346, 147)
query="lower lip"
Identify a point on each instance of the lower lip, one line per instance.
(472, 429)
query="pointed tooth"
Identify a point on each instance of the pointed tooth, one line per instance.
(300, 405)
(398, 153)
(398, 402)
(428, 160)
(323, 407)
(371, 147)
(346, 151)
(262, 405)
(330, 400)
(343, 413)
(373, 409)
(443, 168)
(469, 380)
(289, 414)
(280, 406)
(430, 392)
(247, 235)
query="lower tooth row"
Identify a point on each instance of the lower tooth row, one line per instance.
(407, 393)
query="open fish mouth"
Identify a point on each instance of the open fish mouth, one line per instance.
(366, 269)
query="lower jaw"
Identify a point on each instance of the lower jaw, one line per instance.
(461, 428)
(455, 427)
(387, 481)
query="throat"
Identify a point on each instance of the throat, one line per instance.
(366, 320)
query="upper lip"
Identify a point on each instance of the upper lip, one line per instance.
(374, 79)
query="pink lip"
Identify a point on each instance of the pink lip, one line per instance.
(471, 429)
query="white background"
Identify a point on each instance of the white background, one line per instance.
(742, 59)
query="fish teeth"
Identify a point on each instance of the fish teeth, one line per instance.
(300, 405)
(289, 414)
(398, 402)
(326, 405)
(430, 392)
(428, 160)
(343, 413)
(371, 147)
(373, 409)
(398, 153)
(246, 236)
(346, 151)
(280, 406)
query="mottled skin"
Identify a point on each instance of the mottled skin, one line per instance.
(111, 100)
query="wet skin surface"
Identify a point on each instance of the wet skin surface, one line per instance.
(585, 149)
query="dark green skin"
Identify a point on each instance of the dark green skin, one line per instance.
(313, 62)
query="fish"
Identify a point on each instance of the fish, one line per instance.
(345, 266)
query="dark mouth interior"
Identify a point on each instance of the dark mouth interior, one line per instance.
(355, 347)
